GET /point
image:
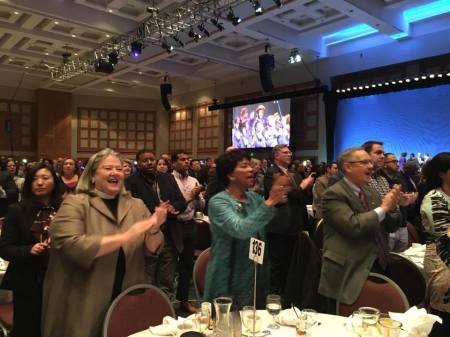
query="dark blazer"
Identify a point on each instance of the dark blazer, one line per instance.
(349, 246)
(12, 192)
(291, 217)
(140, 187)
(25, 271)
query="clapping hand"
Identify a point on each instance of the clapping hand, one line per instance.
(278, 193)
(391, 199)
(38, 248)
(307, 182)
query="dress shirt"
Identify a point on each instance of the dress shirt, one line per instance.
(381, 213)
(186, 185)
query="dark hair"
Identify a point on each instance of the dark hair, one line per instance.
(138, 154)
(367, 146)
(27, 193)
(439, 164)
(175, 155)
(226, 163)
(389, 154)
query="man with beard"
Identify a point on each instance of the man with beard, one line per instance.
(190, 188)
(154, 189)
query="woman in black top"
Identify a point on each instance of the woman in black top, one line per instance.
(24, 242)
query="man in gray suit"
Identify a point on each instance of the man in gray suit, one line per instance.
(356, 222)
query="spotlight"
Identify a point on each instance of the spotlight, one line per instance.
(278, 3)
(400, 81)
(360, 88)
(168, 47)
(201, 27)
(393, 82)
(374, 85)
(354, 88)
(448, 74)
(407, 80)
(113, 57)
(194, 35)
(380, 84)
(136, 48)
(257, 7)
(423, 77)
(235, 20)
(295, 56)
(416, 78)
(439, 75)
(338, 91)
(177, 40)
(386, 83)
(431, 76)
(216, 23)
(366, 86)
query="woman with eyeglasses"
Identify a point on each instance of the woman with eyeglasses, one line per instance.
(24, 242)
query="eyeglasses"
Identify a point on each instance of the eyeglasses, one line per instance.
(395, 161)
(362, 162)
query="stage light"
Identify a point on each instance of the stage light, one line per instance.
(424, 77)
(235, 20)
(216, 23)
(393, 82)
(168, 47)
(278, 3)
(380, 84)
(407, 80)
(177, 40)
(374, 85)
(400, 81)
(366, 86)
(338, 91)
(386, 83)
(354, 88)
(194, 35)
(416, 78)
(360, 88)
(448, 74)
(431, 76)
(202, 28)
(136, 48)
(348, 34)
(295, 56)
(113, 57)
(439, 75)
(257, 7)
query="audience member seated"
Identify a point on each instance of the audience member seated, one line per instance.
(237, 214)
(356, 222)
(99, 238)
(24, 243)
(163, 166)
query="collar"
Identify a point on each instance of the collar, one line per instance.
(356, 189)
(179, 176)
(284, 170)
(104, 195)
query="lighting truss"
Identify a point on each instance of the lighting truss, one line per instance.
(160, 26)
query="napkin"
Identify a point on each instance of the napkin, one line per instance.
(417, 322)
(288, 316)
(170, 326)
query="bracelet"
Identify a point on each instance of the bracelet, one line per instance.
(154, 233)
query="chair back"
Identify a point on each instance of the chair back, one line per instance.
(199, 273)
(409, 278)
(203, 240)
(318, 236)
(379, 292)
(6, 318)
(135, 309)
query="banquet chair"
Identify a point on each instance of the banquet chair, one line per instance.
(199, 272)
(6, 318)
(203, 236)
(409, 278)
(379, 292)
(413, 235)
(135, 309)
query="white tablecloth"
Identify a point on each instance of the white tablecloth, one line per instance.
(5, 295)
(329, 325)
(416, 253)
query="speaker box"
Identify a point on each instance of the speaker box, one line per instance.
(166, 91)
(266, 65)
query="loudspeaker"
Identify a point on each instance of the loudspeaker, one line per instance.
(266, 65)
(166, 91)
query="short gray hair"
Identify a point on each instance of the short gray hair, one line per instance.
(347, 156)
(85, 184)
(278, 148)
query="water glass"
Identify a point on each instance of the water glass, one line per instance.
(390, 327)
(251, 320)
(307, 319)
(273, 306)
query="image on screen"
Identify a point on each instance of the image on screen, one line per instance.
(261, 125)
(412, 121)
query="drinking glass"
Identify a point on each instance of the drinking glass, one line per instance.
(390, 327)
(202, 316)
(251, 320)
(357, 323)
(307, 319)
(273, 307)
(222, 306)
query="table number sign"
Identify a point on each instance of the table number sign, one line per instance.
(256, 251)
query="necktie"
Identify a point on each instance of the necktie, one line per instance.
(381, 246)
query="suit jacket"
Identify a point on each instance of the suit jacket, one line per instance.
(25, 271)
(12, 192)
(349, 246)
(140, 187)
(291, 217)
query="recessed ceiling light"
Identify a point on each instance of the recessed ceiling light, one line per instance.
(109, 90)
(56, 22)
(10, 60)
(107, 35)
(73, 35)
(76, 54)
(140, 73)
(16, 13)
(46, 54)
(110, 10)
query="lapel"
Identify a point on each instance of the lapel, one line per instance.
(100, 206)
(354, 199)
(123, 207)
(370, 197)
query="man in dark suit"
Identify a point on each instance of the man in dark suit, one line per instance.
(9, 193)
(154, 189)
(290, 218)
(356, 223)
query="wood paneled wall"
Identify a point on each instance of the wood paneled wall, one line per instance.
(54, 120)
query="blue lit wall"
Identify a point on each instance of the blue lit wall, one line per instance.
(406, 121)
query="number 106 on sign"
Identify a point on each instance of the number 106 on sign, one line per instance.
(256, 251)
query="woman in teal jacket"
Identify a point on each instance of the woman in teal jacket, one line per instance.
(237, 214)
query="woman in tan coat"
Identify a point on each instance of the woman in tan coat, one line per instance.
(99, 239)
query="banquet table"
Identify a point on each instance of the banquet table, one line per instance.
(327, 325)
(5, 295)
(416, 254)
